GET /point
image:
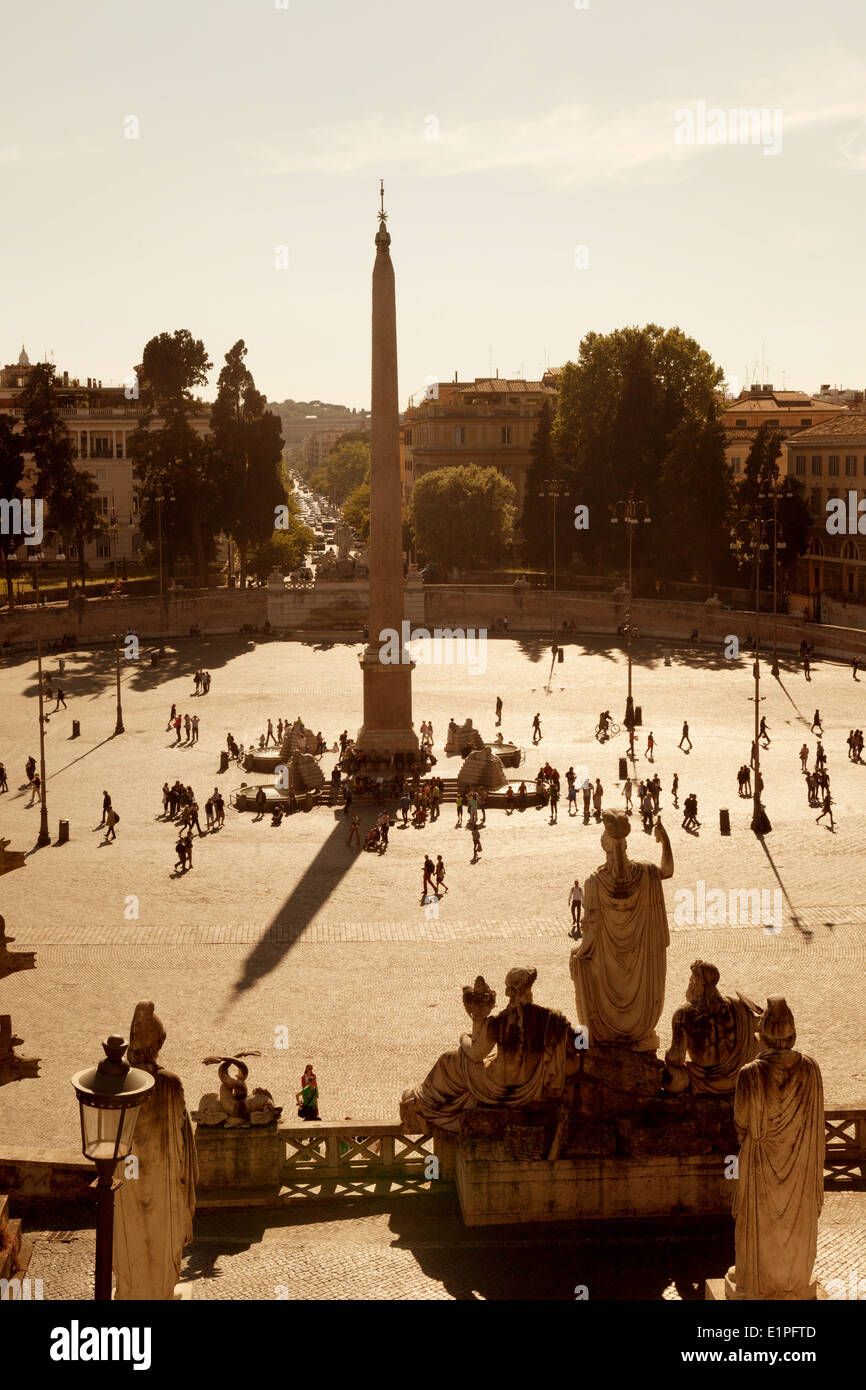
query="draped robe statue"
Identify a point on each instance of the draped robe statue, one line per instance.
(718, 1033)
(779, 1114)
(619, 967)
(533, 1048)
(154, 1211)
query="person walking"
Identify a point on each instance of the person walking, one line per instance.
(685, 738)
(30, 768)
(194, 820)
(177, 723)
(459, 801)
(61, 700)
(427, 881)
(586, 788)
(355, 831)
(597, 796)
(631, 744)
(498, 710)
(626, 789)
(646, 810)
(826, 809)
(554, 803)
(171, 718)
(572, 797)
(35, 789)
(536, 729)
(440, 876)
(208, 814)
(111, 821)
(219, 807)
(807, 667)
(816, 723)
(271, 734)
(675, 791)
(650, 745)
(187, 724)
(482, 804)
(763, 732)
(195, 728)
(855, 666)
(261, 803)
(476, 843)
(804, 757)
(106, 806)
(575, 902)
(4, 784)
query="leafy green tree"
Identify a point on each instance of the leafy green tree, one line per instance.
(463, 516)
(621, 405)
(283, 550)
(246, 450)
(356, 510)
(11, 473)
(535, 518)
(343, 469)
(174, 461)
(694, 503)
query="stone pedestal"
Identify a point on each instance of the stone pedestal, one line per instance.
(716, 1291)
(238, 1159)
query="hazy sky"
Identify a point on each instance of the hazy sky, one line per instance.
(508, 135)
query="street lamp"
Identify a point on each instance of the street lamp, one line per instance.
(632, 511)
(114, 532)
(118, 727)
(44, 837)
(109, 1096)
(773, 491)
(757, 542)
(554, 491)
(159, 501)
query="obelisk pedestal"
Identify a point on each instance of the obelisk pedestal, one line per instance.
(387, 681)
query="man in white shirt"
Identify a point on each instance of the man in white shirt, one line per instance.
(575, 899)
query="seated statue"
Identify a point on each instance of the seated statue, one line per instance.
(716, 1031)
(779, 1115)
(534, 1053)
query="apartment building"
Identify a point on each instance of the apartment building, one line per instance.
(785, 411)
(489, 421)
(830, 459)
(100, 420)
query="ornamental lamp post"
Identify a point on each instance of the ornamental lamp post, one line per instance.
(554, 490)
(109, 1096)
(773, 491)
(631, 511)
(760, 824)
(118, 726)
(44, 837)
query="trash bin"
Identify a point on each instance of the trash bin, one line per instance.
(724, 822)
(224, 761)
(638, 716)
(623, 769)
(63, 832)
(76, 728)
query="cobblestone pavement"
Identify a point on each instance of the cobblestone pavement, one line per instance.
(289, 927)
(415, 1247)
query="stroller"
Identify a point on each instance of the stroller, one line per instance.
(372, 839)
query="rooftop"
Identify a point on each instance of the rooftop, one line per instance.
(847, 428)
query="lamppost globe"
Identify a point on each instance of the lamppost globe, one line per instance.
(109, 1097)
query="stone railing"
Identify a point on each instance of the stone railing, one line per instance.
(845, 1162)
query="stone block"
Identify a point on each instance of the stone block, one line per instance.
(239, 1158)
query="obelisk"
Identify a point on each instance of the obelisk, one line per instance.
(387, 681)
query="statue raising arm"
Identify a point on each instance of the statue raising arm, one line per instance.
(666, 868)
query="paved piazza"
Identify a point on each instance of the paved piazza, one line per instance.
(289, 927)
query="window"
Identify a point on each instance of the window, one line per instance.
(774, 423)
(833, 465)
(505, 432)
(135, 504)
(118, 453)
(459, 434)
(801, 463)
(103, 550)
(850, 551)
(101, 474)
(741, 424)
(816, 465)
(850, 465)
(805, 422)
(407, 437)
(83, 445)
(103, 503)
(101, 446)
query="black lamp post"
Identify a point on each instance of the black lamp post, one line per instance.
(44, 837)
(757, 543)
(159, 501)
(109, 1096)
(118, 727)
(555, 490)
(773, 491)
(631, 512)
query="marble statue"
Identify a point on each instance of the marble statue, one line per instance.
(343, 539)
(234, 1107)
(532, 1054)
(715, 1031)
(154, 1206)
(779, 1114)
(619, 967)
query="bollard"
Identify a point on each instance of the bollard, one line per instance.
(724, 822)
(76, 728)
(62, 666)
(63, 833)
(224, 761)
(638, 716)
(623, 769)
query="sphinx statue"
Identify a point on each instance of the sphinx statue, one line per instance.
(532, 1054)
(619, 967)
(779, 1115)
(154, 1207)
(234, 1107)
(714, 1031)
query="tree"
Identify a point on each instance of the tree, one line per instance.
(343, 469)
(11, 473)
(246, 451)
(621, 405)
(356, 510)
(463, 516)
(173, 461)
(69, 493)
(283, 550)
(695, 499)
(754, 498)
(535, 519)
